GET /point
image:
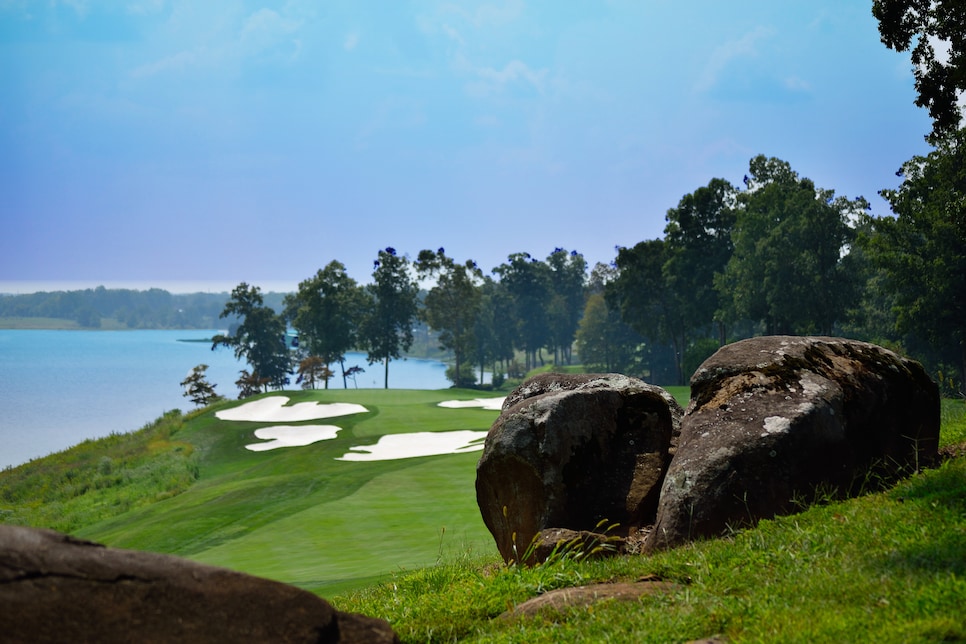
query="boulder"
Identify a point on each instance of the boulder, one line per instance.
(775, 422)
(573, 451)
(55, 588)
(564, 599)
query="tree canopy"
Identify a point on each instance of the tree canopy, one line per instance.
(922, 248)
(325, 311)
(259, 339)
(452, 306)
(935, 31)
(392, 307)
(789, 239)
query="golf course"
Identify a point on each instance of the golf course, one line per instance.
(307, 514)
(367, 498)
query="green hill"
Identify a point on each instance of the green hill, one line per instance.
(402, 539)
(295, 514)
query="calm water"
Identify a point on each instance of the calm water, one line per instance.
(59, 387)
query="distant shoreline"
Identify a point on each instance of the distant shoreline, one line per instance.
(61, 324)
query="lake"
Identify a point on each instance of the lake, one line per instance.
(58, 388)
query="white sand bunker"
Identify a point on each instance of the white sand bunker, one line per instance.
(496, 404)
(292, 436)
(273, 410)
(393, 446)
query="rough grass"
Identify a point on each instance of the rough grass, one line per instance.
(887, 567)
(99, 479)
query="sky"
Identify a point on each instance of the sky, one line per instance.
(195, 145)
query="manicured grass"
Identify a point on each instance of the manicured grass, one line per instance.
(299, 515)
(681, 394)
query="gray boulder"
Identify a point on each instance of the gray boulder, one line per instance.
(571, 451)
(55, 588)
(776, 421)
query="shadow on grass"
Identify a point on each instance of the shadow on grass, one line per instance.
(938, 499)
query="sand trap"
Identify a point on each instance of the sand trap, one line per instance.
(272, 410)
(496, 404)
(395, 446)
(292, 436)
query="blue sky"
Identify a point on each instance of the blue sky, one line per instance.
(167, 142)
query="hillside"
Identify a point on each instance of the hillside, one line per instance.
(402, 539)
(295, 514)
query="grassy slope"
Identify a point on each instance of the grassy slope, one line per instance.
(300, 516)
(886, 566)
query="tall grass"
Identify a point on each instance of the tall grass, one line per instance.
(99, 479)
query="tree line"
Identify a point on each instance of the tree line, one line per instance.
(774, 255)
(779, 255)
(481, 321)
(126, 308)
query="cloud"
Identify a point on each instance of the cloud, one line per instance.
(145, 7)
(497, 15)
(80, 7)
(725, 55)
(491, 81)
(796, 84)
(452, 33)
(266, 29)
(264, 34)
(351, 41)
(173, 63)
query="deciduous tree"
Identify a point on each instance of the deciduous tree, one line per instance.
(922, 248)
(259, 338)
(604, 341)
(786, 270)
(327, 312)
(198, 389)
(698, 238)
(568, 276)
(527, 283)
(312, 370)
(452, 306)
(935, 31)
(392, 306)
(646, 301)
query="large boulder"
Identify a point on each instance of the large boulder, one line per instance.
(54, 588)
(571, 451)
(776, 421)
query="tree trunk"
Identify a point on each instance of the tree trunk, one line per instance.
(386, 385)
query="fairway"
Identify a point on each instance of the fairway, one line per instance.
(302, 516)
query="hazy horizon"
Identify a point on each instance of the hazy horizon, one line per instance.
(24, 287)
